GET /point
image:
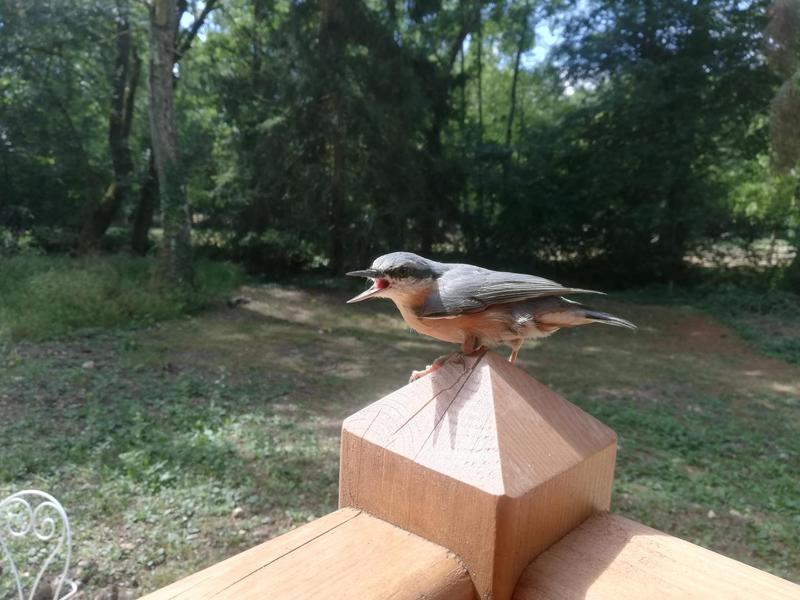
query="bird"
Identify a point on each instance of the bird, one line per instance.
(475, 307)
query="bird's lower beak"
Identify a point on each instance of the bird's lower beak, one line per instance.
(366, 293)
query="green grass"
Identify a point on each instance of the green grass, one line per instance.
(44, 296)
(151, 462)
(722, 478)
(152, 436)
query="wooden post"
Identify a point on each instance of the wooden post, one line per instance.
(482, 459)
(613, 558)
(344, 555)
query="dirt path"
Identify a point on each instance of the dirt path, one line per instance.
(346, 355)
(705, 337)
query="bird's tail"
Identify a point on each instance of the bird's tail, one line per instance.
(600, 317)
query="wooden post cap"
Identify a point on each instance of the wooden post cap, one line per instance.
(482, 459)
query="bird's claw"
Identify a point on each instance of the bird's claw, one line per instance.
(435, 366)
(417, 374)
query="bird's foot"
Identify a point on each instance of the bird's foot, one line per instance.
(457, 357)
(435, 366)
(479, 351)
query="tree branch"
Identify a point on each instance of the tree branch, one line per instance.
(467, 24)
(186, 40)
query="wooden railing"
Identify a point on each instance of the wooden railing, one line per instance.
(476, 482)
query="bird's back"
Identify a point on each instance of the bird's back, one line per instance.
(463, 289)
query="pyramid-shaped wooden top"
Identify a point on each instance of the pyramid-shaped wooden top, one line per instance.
(484, 422)
(478, 446)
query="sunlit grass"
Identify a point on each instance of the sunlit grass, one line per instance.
(153, 436)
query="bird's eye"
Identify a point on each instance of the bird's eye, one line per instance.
(401, 272)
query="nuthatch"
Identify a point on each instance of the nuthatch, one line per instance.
(475, 307)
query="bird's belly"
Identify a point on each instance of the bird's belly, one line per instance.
(492, 326)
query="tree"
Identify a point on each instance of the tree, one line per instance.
(523, 43)
(124, 82)
(329, 115)
(53, 149)
(149, 191)
(783, 51)
(319, 133)
(176, 248)
(669, 90)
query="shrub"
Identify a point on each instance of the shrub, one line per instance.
(49, 296)
(14, 243)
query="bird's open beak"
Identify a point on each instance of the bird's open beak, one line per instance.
(376, 287)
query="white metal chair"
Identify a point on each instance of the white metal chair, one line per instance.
(33, 516)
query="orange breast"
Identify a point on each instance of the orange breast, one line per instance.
(491, 326)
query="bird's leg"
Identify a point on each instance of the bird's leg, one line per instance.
(471, 346)
(435, 366)
(514, 351)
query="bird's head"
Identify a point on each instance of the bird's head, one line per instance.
(398, 275)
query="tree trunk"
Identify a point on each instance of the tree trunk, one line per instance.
(482, 219)
(436, 189)
(463, 77)
(337, 209)
(331, 49)
(123, 95)
(143, 217)
(793, 272)
(513, 100)
(515, 77)
(792, 276)
(391, 13)
(148, 198)
(176, 248)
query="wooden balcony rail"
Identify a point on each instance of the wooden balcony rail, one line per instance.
(476, 482)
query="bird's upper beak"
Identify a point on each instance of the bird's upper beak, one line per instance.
(376, 287)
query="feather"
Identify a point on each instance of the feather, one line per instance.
(464, 289)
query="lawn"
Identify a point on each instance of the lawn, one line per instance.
(178, 443)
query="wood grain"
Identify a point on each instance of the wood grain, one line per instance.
(347, 554)
(613, 558)
(481, 459)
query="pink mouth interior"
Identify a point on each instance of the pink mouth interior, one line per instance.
(381, 283)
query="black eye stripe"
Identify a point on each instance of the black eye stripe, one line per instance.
(400, 272)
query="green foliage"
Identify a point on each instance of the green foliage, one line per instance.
(54, 70)
(44, 297)
(276, 251)
(668, 95)
(318, 134)
(342, 136)
(783, 53)
(13, 243)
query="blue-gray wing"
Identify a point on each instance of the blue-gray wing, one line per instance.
(466, 289)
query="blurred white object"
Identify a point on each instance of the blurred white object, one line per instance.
(39, 517)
